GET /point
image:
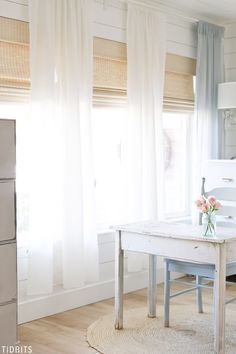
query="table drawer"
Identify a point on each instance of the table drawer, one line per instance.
(7, 148)
(7, 210)
(8, 288)
(8, 320)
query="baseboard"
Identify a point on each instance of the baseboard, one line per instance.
(63, 300)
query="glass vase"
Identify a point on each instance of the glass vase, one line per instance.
(209, 224)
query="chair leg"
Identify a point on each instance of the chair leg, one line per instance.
(199, 294)
(166, 294)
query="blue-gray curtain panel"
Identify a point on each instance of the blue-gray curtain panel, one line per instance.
(210, 72)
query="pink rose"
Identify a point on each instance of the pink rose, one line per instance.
(212, 200)
(218, 206)
(200, 201)
(204, 208)
(207, 205)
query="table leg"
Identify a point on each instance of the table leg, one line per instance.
(152, 287)
(219, 299)
(119, 281)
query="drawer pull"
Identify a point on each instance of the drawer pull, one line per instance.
(225, 179)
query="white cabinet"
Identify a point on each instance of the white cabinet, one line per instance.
(220, 173)
(8, 273)
(7, 210)
(8, 331)
(7, 149)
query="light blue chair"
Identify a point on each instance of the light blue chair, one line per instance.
(201, 271)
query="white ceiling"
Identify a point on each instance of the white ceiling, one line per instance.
(216, 11)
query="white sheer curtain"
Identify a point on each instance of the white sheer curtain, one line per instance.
(208, 121)
(62, 208)
(146, 45)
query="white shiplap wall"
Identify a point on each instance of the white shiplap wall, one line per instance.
(230, 52)
(230, 75)
(17, 9)
(110, 23)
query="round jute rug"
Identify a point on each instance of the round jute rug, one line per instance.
(189, 333)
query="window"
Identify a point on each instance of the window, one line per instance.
(176, 149)
(109, 117)
(110, 71)
(108, 125)
(109, 112)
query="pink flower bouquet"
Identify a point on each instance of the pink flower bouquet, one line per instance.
(208, 206)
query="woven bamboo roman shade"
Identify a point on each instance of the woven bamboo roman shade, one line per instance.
(109, 72)
(109, 69)
(178, 89)
(110, 77)
(14, 53)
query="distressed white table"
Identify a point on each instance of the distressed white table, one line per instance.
(177, 241)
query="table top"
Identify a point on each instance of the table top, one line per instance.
(178, 231)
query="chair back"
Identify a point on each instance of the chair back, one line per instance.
(227, 197)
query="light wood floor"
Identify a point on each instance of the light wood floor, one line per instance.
(65, 333)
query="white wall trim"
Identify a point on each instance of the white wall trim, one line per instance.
(63, 300)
